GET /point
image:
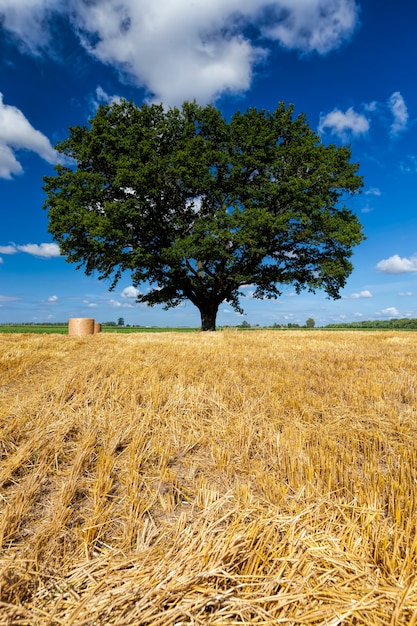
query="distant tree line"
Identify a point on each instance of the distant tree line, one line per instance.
(405, 323)
(310, 323)
(33, 323)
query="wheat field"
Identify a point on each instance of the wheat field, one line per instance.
(208, 478)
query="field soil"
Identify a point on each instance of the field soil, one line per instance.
(208, 478)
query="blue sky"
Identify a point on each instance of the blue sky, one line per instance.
(349, 65)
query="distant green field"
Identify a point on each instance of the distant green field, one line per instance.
(63, 329)
(28, 328)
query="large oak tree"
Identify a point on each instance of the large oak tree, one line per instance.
(196, 206)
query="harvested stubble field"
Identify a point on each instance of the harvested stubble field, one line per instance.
(214, 478)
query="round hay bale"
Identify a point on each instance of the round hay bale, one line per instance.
(81, 326)
(97, 328)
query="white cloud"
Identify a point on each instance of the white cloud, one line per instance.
(1, 260)
(28, 21)
(197, 49)
(373, 191)
(406, 293)
(116, 304)
(130, 292)
(53, 299)
(344, 124)
(350, 124)
(397, 265)
(43, 250)
(399, 110)
(16, 133)
(9, 165)
(104, 98)
(10, 249)
(390, 311)
(358, 296)
(312, 25)
(371, 106)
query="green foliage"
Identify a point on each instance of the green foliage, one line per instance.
(310, 323)
(198, 207)
(405, 323)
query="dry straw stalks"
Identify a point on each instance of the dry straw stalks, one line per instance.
(227, 478)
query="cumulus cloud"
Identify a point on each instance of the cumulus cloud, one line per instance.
(43, 250)
(10, 249)
(397, 265)
(130, 292)
(399, 111)
(344, 124)
(310, 25)
(28, 21)
(102, 97)
(350, 124)
(197, 49)
(16, 133)
(53, 299)
(406, 294)
(357, 296)
(391, 311)
(9, 165)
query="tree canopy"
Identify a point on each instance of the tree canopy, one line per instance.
(196, 207)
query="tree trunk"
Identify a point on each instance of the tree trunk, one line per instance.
(208, 314)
